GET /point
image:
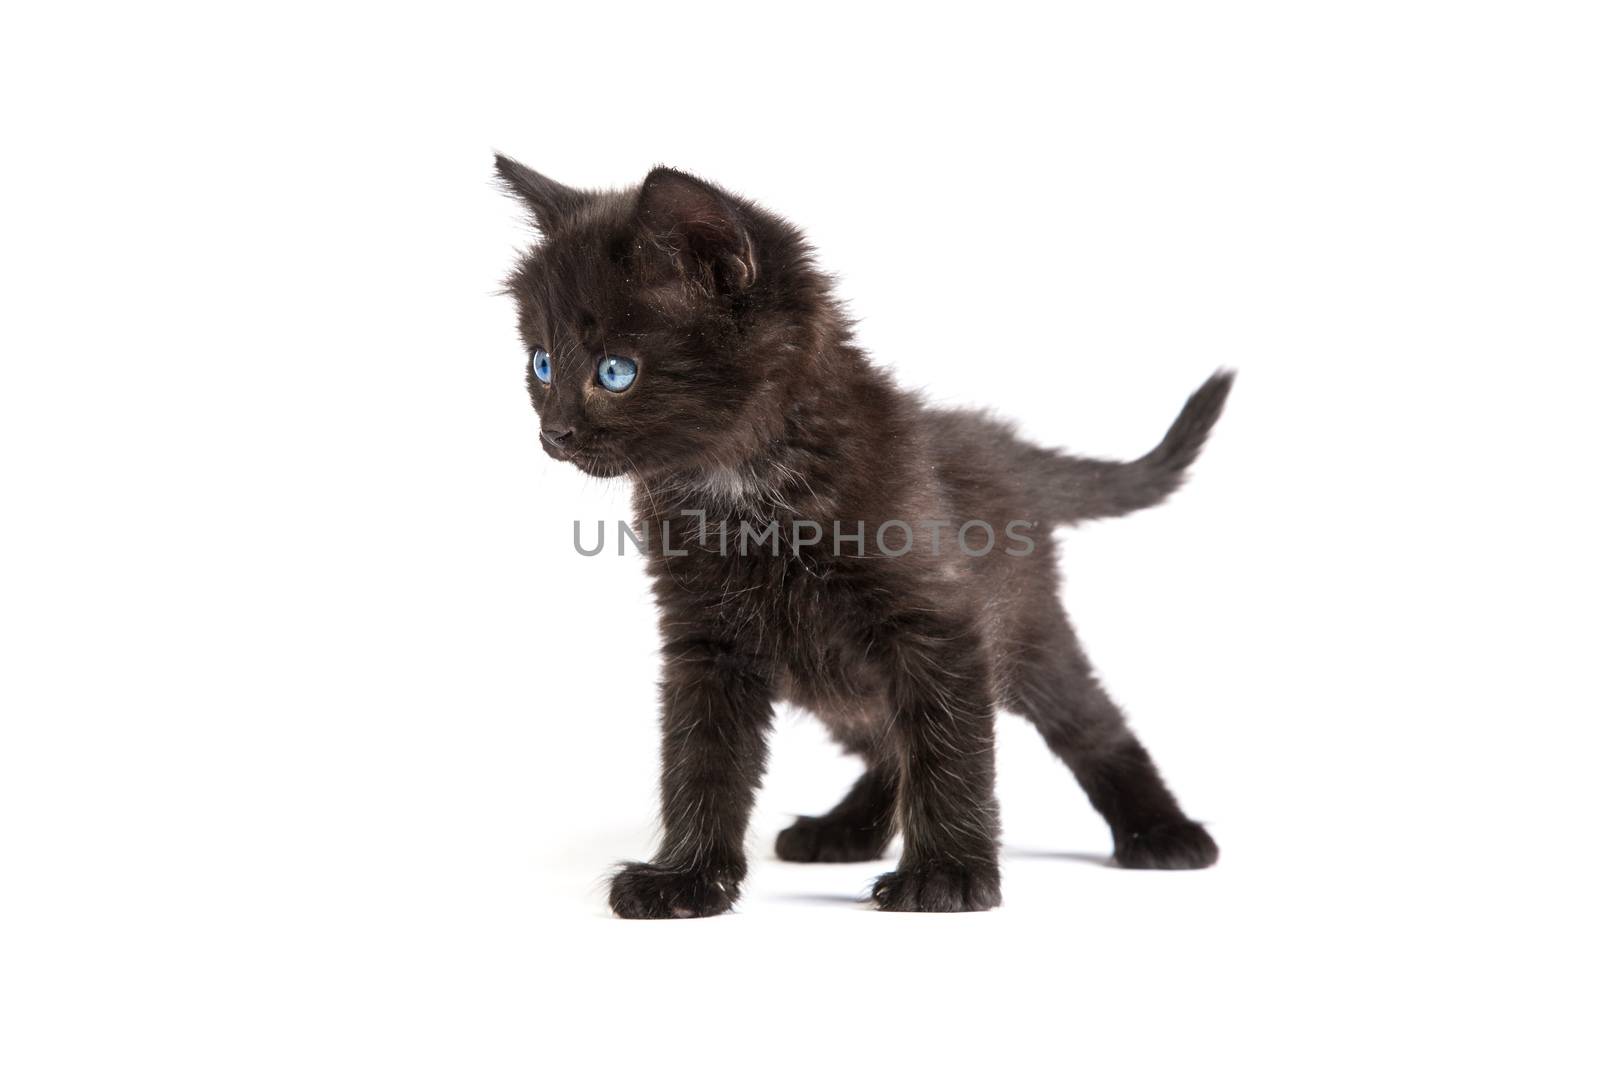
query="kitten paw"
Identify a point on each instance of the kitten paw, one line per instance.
(821, 840)
(938, 887)
(1174, 846)
(646, 891)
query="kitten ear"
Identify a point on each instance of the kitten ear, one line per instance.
(696, 222)
(549, 200)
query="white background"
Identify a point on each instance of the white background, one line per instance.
(319, 738)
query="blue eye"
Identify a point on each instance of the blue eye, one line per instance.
(618, 372)
(541, 365)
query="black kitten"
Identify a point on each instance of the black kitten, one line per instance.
(683, 336)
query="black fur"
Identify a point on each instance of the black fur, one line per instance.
(753, 404)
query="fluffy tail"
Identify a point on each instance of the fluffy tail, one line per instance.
(1076, 490)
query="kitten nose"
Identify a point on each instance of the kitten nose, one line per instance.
(558, 437)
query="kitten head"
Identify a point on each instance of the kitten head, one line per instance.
(665, 324)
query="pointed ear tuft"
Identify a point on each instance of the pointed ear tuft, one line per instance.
(700, 226)
(549, 200)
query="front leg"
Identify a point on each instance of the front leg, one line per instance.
(716, 709)
(943, 733)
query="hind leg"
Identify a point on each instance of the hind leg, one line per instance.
(1051, 682)
(858, 828)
